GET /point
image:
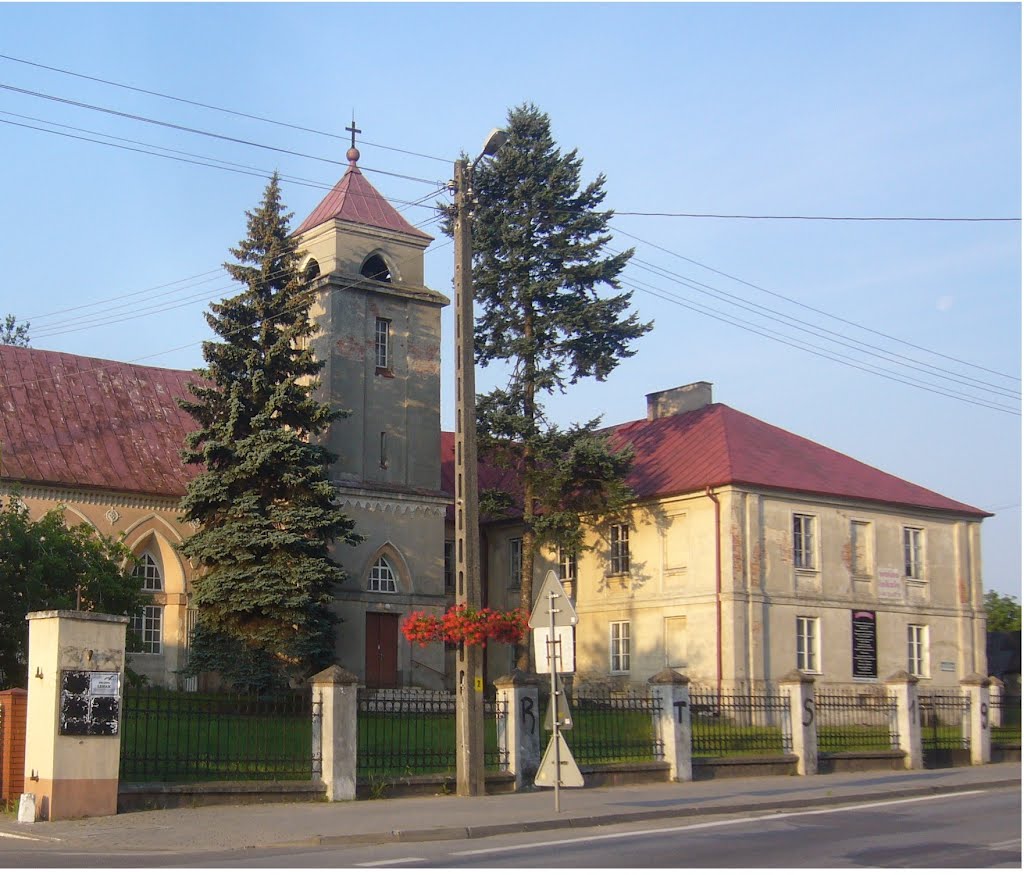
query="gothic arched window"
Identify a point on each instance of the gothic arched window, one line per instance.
(148, 572)
(311, 271)
(382, 578)
(375, 268)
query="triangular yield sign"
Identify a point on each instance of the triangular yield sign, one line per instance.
(565, 613)
(568, 774)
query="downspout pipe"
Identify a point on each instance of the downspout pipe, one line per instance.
(718, 588)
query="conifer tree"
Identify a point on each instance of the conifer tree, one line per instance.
(539, 268)
(263, 501)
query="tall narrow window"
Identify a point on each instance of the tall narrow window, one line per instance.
(619, 646)
(618, 539)
(384, 450)
(567, 565)
(515, 562)
(382, 578)
(860, 549)
(917, 650)
(449, 566)
(913, 553)
(382, 344)
(803, 541)
(807, 644)
(147, 626)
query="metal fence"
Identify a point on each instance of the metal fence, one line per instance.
(412, 732)
(181, 736)
(852, 719)
(610, 724)
(1004, 709)
(945, 720)
(731, 724)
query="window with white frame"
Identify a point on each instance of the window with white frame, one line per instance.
(147, 626)
(382, 578)
(803, 541)
(515, 562)
(913, 553)
(147, 572)
(917, 650)
(618, 539)
(566, 565)
(807, 649)
(382, 344)
(618, 633)
(860, 548)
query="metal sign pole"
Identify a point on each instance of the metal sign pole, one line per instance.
(552, 610)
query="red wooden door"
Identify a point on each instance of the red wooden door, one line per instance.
(381, 650)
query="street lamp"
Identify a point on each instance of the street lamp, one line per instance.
(469, 702)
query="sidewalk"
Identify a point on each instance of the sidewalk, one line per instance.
(448, 817)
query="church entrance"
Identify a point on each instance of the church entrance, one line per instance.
(381, 650)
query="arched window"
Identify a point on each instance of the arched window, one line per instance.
(148, 572)
(375, 268)
(382, 578)
(312, 270)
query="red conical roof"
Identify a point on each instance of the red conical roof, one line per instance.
(354, 199)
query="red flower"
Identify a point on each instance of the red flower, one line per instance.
(461, 625)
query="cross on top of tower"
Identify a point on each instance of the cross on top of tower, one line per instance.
(353, 152)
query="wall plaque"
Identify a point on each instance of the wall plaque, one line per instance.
(90, 702)
(865, 645)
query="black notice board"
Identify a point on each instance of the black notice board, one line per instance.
(865, 645)
(90, 702)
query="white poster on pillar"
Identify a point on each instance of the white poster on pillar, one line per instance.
(564, 649)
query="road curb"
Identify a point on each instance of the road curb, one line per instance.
(692, 810)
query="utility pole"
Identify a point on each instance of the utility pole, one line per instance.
(469, 719)
(469, 677)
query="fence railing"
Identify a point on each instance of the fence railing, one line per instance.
(610, 724)
(412, 732)
(1004, 709)
(181, 736)
(945, 720)
(851, 720)
(739, 724)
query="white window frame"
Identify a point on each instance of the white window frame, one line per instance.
(808, 644)
(515, 563)
(618, 542)
(914, 553)
(917, 650)
(865, 529)
(382, 344)
(382, 577)
(619, 646)
(804, 546)
(147, 570)
(567, 565)
(148, 624)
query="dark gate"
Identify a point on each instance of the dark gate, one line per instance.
(381, 650)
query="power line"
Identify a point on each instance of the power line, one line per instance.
(826, 218)
(202, 133)
(234, 112)
(815, 309)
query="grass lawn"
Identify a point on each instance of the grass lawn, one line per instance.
(414, 744)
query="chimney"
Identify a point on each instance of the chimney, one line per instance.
(679, 400)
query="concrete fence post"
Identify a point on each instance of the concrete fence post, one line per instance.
(672, 722)
(519, 724)
(336, 689)
(903, 687)
(976, 687)
(996, 691)
(799, 686)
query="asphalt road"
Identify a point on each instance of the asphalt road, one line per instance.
(972, 829)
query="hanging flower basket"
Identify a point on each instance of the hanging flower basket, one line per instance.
(460, 625)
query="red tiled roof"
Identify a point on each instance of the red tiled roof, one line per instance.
(716, 445)
(73, 421)
(354, 199)
(68, 420)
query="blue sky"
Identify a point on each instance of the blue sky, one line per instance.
(868, 109)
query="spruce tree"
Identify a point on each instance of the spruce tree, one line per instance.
(263, 501)
(539, 271)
